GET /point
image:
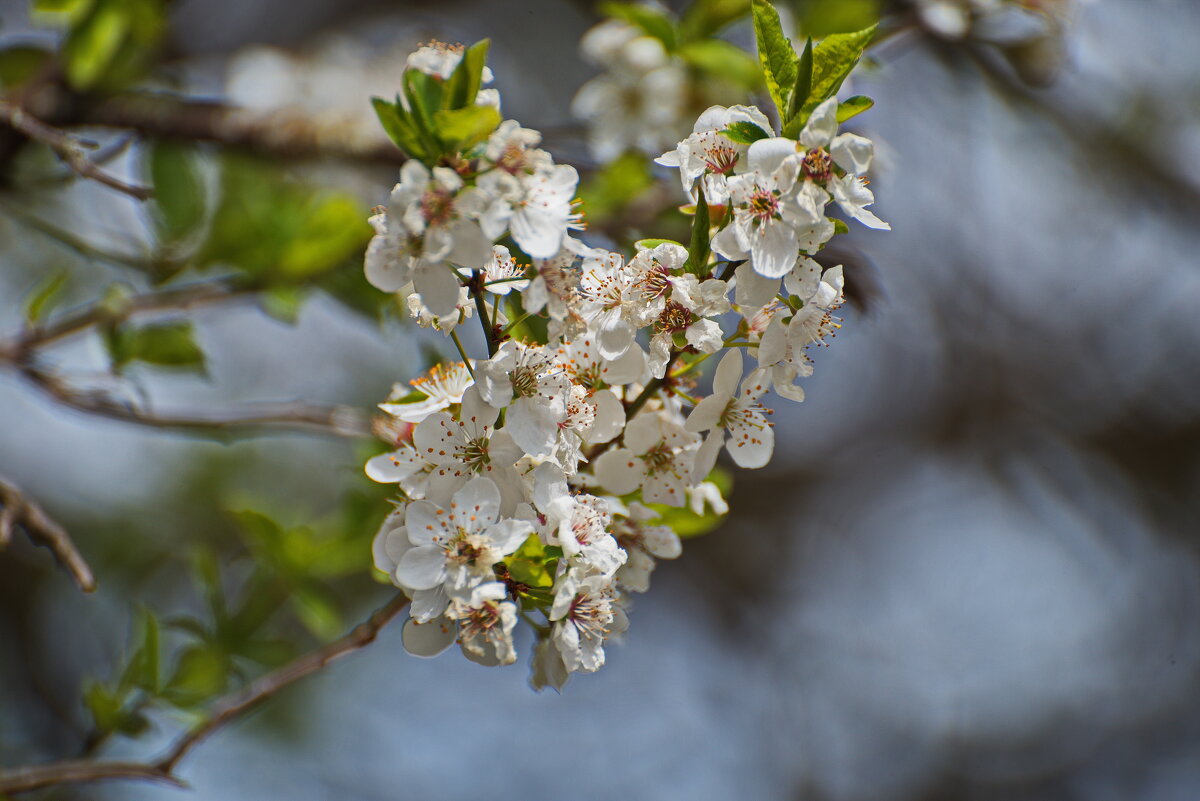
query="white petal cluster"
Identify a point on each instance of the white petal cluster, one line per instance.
(539, 482)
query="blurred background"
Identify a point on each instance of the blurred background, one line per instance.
(970, 572)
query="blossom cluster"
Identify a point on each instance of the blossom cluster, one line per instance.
(535, 482)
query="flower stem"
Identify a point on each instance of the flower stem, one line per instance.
(462, 352)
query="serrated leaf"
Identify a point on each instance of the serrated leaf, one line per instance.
(179, 200)
(699, 247)
(461, 129)
(776, 55)
(170, 344)
(744, 132)
(463, 86)
(44, 298)
(833, 60)
(651, 21)
(853, 106)
(723, 60)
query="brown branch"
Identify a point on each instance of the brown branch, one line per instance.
(43, 529)
(337, 420)
(225, 711)
(269, 685)
(68, 149)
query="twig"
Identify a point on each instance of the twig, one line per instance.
(228, 709)
(43, 529)
(267, 686)
(67, 148)
(337, 420)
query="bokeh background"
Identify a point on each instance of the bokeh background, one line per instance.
(971, 571)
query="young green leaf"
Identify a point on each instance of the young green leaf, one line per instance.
(201, 673)
(744, 132)
(399, 127)
(833, 59)
(45, 297)
(170, 344)
(460, 129)
(463, 85)
(700, 246)
(776, 55)
(804, 77)
(179, 199)
(853, 106)
(723, 60)
(704, 18)
(92, 45)
(650, 244)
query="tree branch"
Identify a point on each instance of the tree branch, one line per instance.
(67, 148)
(225, 711)
(42, 529)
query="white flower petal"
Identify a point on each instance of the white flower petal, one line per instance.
(428, 639)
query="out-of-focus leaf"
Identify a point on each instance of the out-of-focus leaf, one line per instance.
(104, 706)
(460, 129)
(44, 298)
(329, 231)
(776, 55)
(651, 21)
(686, 523)
(269, 653)
(91, 45)
(21, 62)
(179, 200)
(529, 564)
(703, 18)
(202, 673)
(170, 344)
(720, 59)
(317, 611)
(59, 12)
(147, 671)
(463, 85)
(284, 302)
(853, 106)
(615, 185)
(820, 18)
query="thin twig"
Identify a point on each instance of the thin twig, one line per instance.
(68, 149)
(269, 685)
(225, 711)
(43, 529)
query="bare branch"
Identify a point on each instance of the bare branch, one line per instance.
(225, 711)
(269, 685)
(243, 420)
(43, 529)
(68, 149)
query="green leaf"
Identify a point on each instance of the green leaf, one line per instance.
(104, 706)
(700, 246)
(399, 127)
(463, 86)
(330, 229)
(840, 227)
(853, 106)
(424, 94)
(317, 611)
(821, 18)
(650, 244)
(59, 12)
(179, 200)
(460, 129)
(284, 302)
(744, 132)
(804, 78)
(776, 55)
(92, 45)
(615, 185)
(45, 297)
(725, 61)
(201, 673)
(170, 344)
(686, 523)
(703, 18)
(833, 60)
(651, 21)
(529, 564)
(146, 675)
(20, 63)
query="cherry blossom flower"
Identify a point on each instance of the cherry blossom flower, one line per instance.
(584, 616)
(735, 414)
(443, 385)
(657, 457)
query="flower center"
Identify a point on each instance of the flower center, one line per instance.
(659, 459)
(437, 206)
(474, 454)
(720, 158)
(590, 615)
(817, 165)
(675, 317)
(763, 206)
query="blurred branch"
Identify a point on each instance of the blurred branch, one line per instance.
(68, 149)
(81, 246)
(21, 353)
(225, 711)
(43, 529)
